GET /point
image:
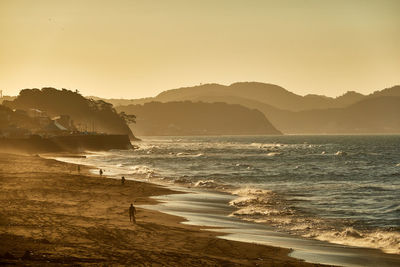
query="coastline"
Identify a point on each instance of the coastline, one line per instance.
(65, 217)
(209, 209)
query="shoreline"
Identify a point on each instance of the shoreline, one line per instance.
(63, 217)
(206, 209)
(190, 207)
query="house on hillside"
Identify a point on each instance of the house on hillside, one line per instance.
(55, 127)
(65, 121)
(59, 125)
(36, 113)
(40, 116)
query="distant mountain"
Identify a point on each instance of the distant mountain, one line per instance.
(266, 93)
(121, 101)
(87, 114)
(291, 113)
(270, 94)
(370, 116)
(349, 98)
(392, 91)
(188, 118)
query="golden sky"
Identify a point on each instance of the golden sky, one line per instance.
(132, 49)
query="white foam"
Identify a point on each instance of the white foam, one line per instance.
(273, 154)
(270, 145)
(387, 241)
(206, 184)
(143, 170)
(265, 206)
(341, 153)
(184, 154)
(258, 202)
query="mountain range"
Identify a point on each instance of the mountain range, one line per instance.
(351, 113)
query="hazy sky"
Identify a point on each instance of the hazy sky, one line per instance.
(132, 49)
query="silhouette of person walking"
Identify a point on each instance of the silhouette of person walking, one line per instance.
(123, 180)
(101, 172)
(132, 213)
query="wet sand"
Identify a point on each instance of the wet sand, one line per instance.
(50, 214)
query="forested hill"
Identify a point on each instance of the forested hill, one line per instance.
(198, 118)
(86, 113)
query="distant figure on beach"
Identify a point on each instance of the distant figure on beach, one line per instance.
(132, 212)
(123, 180)
(79, 168)
(101, 172)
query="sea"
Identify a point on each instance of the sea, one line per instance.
(339, 189)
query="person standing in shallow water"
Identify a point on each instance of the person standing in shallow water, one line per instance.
(123, 180)
(101, 172)
(132, 213)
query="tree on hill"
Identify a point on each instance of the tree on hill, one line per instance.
(91, 115)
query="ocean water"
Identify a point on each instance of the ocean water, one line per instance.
(340, 189)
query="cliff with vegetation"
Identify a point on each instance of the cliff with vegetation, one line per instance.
(87, 114)
(188, 118)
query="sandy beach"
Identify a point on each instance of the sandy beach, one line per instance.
(50, 214)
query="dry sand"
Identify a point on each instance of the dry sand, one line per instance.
(62, 217)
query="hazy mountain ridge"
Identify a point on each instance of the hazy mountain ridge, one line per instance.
(121, 101)
(391, 91)
(351, 119)
(369, 116)
(271, 94)
(198, 118)
(324, 114)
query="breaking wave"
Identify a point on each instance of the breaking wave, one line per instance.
(336, 189)
(388, 241)
(265, 206)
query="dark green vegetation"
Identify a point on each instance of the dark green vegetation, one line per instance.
(188, 118)
(351, 113)
(86, 114)
(17, 122)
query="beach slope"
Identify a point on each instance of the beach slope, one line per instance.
(50, 214)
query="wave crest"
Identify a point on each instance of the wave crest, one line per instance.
(255, 204)
(387, 241)
(265, 206)
(206, 184)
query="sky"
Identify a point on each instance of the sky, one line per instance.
(134, 49)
